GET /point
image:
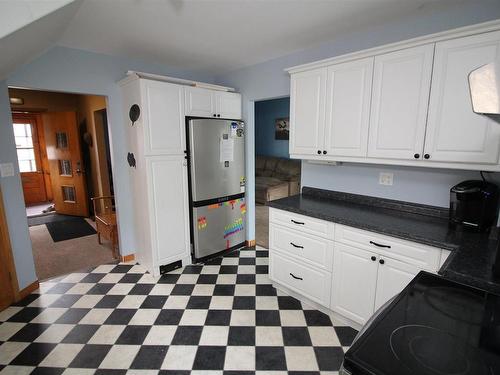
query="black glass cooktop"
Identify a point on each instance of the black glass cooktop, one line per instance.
(434, 327)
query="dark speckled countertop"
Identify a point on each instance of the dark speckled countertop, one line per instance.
(472, 253)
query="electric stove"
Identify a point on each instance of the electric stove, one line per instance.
(434, 327)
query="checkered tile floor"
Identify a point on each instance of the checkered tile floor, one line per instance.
(223, 317)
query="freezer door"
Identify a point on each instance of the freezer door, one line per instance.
(218, 227)
(217, 154)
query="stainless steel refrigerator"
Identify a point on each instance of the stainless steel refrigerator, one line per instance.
(217, 185)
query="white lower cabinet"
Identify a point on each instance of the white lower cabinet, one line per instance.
(354, 282)
(392, 277)
(350, 271)
(309, 281)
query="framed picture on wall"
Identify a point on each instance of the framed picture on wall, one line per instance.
(282, 128)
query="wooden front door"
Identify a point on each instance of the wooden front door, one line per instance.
(8, 281)
(29, 157)
(65, 163)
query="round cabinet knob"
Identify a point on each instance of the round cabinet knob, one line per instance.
(319, 152)
(218, 115)
(324, 152)
(374, 258)
(416, 156)
(381, 261)
(427, 156)
(215, 115)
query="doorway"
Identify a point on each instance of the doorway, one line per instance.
(276, 175)
(64, 159)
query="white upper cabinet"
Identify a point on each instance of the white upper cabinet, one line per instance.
(163, 118)
(454, 132)
(307, 112)
(348, 107)
(401, 86)
(199, 102)
(202, 102)
(228, 105)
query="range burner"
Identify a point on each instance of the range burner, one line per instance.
(430, 351)
(457, 304)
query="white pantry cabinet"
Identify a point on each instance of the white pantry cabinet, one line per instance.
(454, 132)
(162, 118)
(348, 107)
(201, 102)
(307, 112)
(156, 158)
(401, 86)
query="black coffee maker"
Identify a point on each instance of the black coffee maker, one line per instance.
(474, 205)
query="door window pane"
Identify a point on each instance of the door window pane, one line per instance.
(65, 167)
(68, 193)
(61, 140)
(24, 147)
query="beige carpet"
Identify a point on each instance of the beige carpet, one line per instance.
(59, 258)
(262, 225)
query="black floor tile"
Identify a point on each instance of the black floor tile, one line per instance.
(224, 290)
(141, 289)
(90, 356)
(289, 303)
(66, 300)
(329, 358)
(296, 336)
(92, 278)
(47, 371)
(192, 269)
(29, 332)
(210, 358)
(121, 268)
(60, 288)
(120, 316)
(182, 290)
(317, 318)
(130, 278)
(187, 335)
(133, 335)
(33, 354)
(241, 336)
(245, 279)
(72, 316)
(169, 278)
(80, 334)
(270, 358)
(267, 318)
(218, 318)
(26, 315)
(265, 290)
(207, 279)
(233, 270)
(261, 270)
(169, 317)
(154, 302)
(149, 357)
(109, 302)
(346, 335)
(243, 303)
(199, 302)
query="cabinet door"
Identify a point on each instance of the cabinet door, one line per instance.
(228, 105)
(168, 208)
(354, 282)
(163, 106)
(307, 112)
(401, 86)
(200, 102)
(393, 276)
(348, 107)
(454, 132)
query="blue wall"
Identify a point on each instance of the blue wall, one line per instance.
(75, 71)
(269, 80)
(266, 112)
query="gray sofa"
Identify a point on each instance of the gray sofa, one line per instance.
(275, 178)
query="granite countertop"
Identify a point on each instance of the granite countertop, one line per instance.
(472, 253)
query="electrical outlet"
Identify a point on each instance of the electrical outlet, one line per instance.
(6, 169)
(385, 178)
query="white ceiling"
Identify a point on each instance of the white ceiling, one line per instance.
(220, 35)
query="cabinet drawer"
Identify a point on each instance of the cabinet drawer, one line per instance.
(313, 283)
(425, 257)
(303, 223)
(315, 250)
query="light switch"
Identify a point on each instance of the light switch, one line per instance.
(6, 170)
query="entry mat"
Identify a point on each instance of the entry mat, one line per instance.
(63, 227)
